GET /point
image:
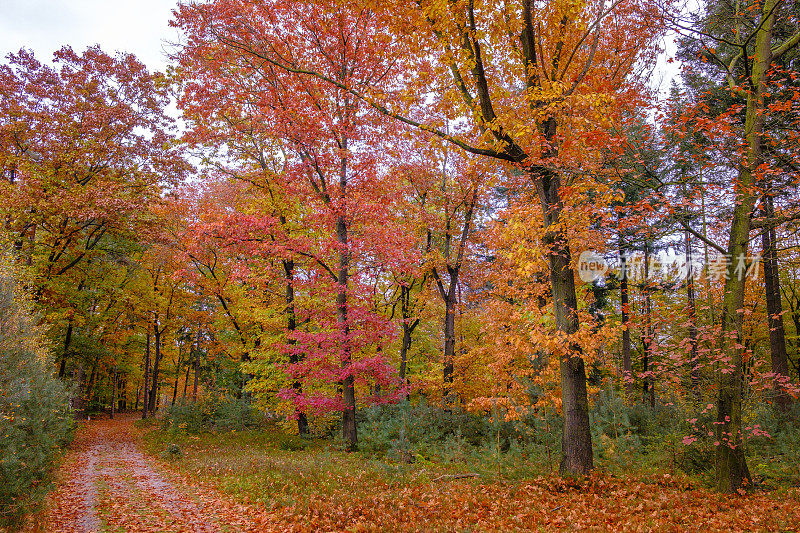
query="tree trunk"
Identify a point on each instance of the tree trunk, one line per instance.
(156, 363)
(408, 330)
(449, 296)
(122, 396)
(177, 375)
(648, 383)
(624, 300)
(196, 366)
(796, 321)
(694, 357)
(449, 343)
(731, 468)
(576, 443)
(67, 339)
(404, 347)
(291, 326)
(188, 369)
(113, 392)
(91, 382)
(349, 430)
(146, 372)
(777, 335)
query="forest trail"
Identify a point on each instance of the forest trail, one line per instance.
(107, 484)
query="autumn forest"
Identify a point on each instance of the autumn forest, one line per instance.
(440, 265)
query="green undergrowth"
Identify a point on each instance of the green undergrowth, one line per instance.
(215, 411)
(36, 422)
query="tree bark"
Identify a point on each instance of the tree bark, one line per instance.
(189, 365)
(576, 443)
(694, 357)
(146, 373)
(156, 363)
(67, 340)
(196, 366)
(648, 383)
(349, 429)
(291, 326)
(177, 375)
(409, 326)
(777, 335)
(113, 392)
(404, 348)
(449, 342)
(624, 300)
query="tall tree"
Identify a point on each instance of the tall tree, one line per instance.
(85, 152)
(744, 44)
(328, 139)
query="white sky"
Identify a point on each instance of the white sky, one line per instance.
(140, 27)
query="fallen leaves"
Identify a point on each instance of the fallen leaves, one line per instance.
(106, 483)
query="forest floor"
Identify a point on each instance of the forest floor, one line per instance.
(117, 477)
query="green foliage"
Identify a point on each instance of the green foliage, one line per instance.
(215, 411)
(172, 452)
(422, 433)
(775, 460)
(291, 443)
(35, 420)
(625, 433)
(616, 430)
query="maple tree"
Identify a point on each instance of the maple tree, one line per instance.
(323, 135)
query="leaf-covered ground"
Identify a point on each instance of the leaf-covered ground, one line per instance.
(249, 481)
(107, 484)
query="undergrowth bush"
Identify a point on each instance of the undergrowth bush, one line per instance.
(775, 459)
(408, 432)
(625, 433)
(35, 420)
(216, 411)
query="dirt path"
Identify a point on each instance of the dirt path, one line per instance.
(107, 484)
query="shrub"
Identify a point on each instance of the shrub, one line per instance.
(404, 431)
(623, 433)
(216, 411)
(35, 420)
(774, 459)
(172, 452)
(291, 443)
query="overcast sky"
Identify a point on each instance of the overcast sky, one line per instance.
(137, 26)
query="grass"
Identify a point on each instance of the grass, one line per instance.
(258, 466)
